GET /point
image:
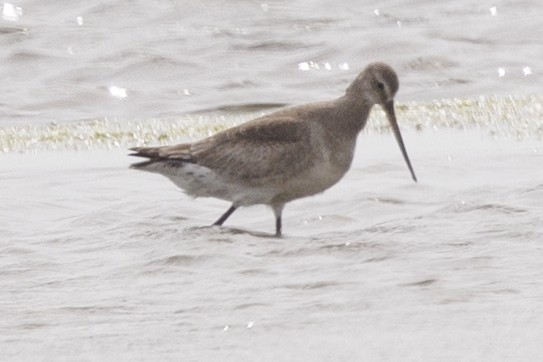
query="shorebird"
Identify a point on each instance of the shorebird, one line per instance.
(283, 156)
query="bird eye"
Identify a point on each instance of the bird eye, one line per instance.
(380, 85)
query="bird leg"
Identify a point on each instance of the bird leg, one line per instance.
(278, 210)
(278, 226)
(225, 215)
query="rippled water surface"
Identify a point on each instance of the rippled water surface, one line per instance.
(99, 262)
(82, 60)
(102, 262)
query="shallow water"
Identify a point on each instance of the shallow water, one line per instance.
(105, 262)
(160, 58)
(99, 262)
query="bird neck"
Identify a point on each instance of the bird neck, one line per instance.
(352, 114)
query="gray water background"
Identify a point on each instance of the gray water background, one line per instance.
(59, 59)
(101, 263)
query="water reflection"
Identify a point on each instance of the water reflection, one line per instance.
(117, 92)
(311, 65)
(11, 12)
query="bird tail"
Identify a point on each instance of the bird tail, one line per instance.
(167, 154)
(152, 153)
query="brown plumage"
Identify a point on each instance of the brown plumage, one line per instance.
(292, 153)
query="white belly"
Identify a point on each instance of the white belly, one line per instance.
(199, 181)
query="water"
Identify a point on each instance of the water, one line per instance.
(59, 60)
(100, 262)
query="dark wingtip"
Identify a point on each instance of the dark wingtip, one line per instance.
(140, 152)
(135, 151)
(143, 152)
(153, 155)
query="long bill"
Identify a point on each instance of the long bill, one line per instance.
(389, 109)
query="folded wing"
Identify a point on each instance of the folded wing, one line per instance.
(254, 150)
